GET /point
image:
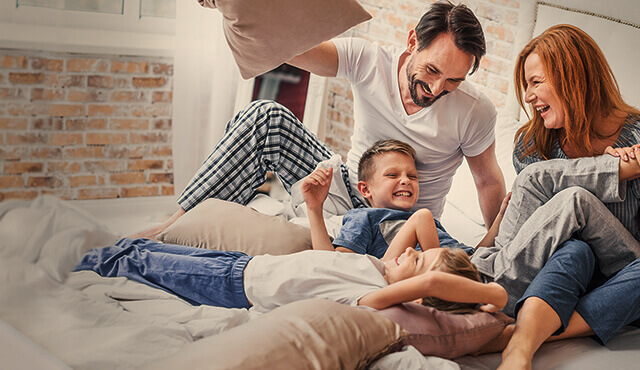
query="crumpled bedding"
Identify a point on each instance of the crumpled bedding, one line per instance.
(85, 320)
(91, 322)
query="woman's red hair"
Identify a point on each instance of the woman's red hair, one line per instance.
(581, 78)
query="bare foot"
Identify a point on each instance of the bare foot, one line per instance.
(515, 359)
(498, 344)
(153, 232)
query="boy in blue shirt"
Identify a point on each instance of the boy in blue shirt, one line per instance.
(388, 180)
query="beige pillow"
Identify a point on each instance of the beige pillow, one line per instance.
(442, 334)
(263, 34)
(309, 334)
(226, 226)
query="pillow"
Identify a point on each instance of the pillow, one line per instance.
(226, 226)
(263, 34)
(442, 334)
(309, 334)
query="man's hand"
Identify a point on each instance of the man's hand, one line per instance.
(315, 187)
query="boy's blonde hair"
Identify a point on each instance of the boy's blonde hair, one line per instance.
(366, 166)
(454, 261)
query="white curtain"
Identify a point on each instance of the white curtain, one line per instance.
(204, 88)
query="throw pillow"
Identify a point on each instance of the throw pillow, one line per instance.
(443, 334)
(263, 34)
(309, 334)
(226, 226)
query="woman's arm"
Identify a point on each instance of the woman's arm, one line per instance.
(446, 286)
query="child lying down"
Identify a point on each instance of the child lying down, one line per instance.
(235, 280)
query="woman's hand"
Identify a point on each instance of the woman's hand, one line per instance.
(623, 153)
(315, 187)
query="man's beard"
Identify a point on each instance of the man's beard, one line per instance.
(423, 102)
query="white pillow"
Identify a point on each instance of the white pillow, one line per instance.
(263, 34)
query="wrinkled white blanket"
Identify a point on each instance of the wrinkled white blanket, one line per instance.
(91, 322)
(81, 318)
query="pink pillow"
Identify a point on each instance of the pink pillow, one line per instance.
(263, 34)
(442, 334)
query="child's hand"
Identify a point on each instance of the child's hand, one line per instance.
(315, 187)
(499, 297)
(505, 203)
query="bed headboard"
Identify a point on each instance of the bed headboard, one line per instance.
(613, 24)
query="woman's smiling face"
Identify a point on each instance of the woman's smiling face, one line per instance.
(540, 94)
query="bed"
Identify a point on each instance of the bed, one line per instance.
(53, 318)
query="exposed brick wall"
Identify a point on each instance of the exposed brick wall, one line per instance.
(84, 126)
(91, 126)
(392, 20)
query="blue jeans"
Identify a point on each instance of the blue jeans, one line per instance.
(216, 280)
(566, 284)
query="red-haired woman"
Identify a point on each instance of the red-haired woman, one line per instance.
(578, 114)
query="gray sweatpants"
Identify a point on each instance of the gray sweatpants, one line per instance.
(551, 201)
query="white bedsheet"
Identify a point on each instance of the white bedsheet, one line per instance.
(85, 320)
(88, 321)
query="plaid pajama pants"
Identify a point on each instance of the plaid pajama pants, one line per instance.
(264, 136)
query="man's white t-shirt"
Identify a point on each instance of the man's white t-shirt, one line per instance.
(459, 124)
(273, 281)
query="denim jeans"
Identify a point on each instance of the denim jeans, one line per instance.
(545, 210)
(216, 280)
(566, 284)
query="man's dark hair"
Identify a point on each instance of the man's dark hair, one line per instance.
(459, 21)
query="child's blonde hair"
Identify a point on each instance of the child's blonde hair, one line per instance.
(366, 166)
(454, 261)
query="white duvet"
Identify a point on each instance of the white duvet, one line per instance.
(91, 322)
(85, 320)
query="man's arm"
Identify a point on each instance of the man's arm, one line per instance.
(446, 286)
(321, 60)
(489, 182)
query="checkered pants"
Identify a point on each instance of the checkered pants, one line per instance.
(264, 136)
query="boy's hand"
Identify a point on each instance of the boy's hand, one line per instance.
(315, 187)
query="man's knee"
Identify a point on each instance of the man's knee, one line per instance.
(261, 112)
(536, 173)
(576, 194)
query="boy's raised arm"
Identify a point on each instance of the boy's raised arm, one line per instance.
(446, 286)
(315, 189)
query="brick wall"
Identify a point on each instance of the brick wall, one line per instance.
(90, 126)
(392, 19)
(84, 126)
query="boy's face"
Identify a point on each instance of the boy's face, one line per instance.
(411, 263)
(394, 183)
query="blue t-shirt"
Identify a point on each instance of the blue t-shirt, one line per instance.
(371, 230)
